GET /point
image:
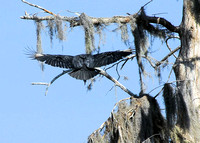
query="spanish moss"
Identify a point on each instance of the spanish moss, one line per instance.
(89, 32)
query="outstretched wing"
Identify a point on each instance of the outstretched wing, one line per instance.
(63, 61)
(107, 58)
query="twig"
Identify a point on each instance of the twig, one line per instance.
(169, 75)
(150, 59)
(55, 78)
(117, 83)
(172, 52)
(147, 3)
(76, 13)
(159, 13)
(39, 7)
(39, 83)
(117, 72)
(158, 93)
(52, 81)
(128, 58)
(125, 61)
(119, 102)
(163, 85)
(142, 8)
(167, 83)
(166, 41)
(155, 88)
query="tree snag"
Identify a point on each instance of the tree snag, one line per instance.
(187, 70)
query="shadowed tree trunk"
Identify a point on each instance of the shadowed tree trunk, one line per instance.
(187, 71)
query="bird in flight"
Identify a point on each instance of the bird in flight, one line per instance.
(82, 66)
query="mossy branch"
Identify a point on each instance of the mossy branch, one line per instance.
(76, 21)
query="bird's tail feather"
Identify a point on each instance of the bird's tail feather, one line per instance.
(83, 74)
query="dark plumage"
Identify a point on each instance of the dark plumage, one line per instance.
(83, 66)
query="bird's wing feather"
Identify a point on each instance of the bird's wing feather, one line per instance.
(83, 74)
(107, 58)
(63, 61)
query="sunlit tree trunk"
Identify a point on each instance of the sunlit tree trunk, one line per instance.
(187, 71)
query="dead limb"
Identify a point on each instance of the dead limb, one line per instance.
(39, 7)
(163, 22)
(117, 83)
(39, 83)
(75, 21)
(52, 81)
(166, 41)
(167, 56)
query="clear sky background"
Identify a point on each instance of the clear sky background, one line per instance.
(69, 113)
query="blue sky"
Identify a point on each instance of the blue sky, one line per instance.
(69, 113)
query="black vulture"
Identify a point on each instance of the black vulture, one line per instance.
(82, 66)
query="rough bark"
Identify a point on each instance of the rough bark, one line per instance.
(187, 71)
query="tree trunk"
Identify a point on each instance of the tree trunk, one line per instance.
(187, 71)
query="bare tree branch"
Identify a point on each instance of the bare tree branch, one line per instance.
(117, 83)
(163, 22)
(39, 83)
(172, 52)
(125, 61)
(52, 81)
(166, 41)
(39, 7)
(55, 78)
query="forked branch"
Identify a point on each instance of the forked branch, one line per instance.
(52, 81)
